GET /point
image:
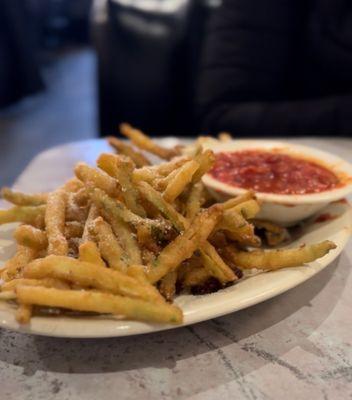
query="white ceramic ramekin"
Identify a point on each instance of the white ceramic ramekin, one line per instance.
(284, 209)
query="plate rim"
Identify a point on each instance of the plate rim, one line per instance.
(7, 319)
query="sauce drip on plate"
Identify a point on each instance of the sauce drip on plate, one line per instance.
(271, 172)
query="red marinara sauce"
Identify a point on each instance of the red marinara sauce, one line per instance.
(271, 172)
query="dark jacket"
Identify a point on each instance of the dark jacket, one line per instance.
(278, 67)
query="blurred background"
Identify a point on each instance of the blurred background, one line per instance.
(74, 69)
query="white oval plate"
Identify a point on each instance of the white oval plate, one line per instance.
(245, 293)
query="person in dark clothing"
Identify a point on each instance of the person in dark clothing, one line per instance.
(278, 67)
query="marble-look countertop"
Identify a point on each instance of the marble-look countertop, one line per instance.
(295, 346)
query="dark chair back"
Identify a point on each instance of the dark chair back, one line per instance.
(148, 54)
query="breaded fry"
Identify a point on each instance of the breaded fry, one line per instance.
(127, 239)
(24, 313)
(105, 303)
(9, 295)
(215, 265)
(33, 215)
(73, 185)
(161, 183)
(238, 229)
(282, 258)
(121, 168)
(194, 200)
(138, 272)
(167, 210)
(81, 197)
(27, 235)
(249, 195)
(90, 275)
(249, 209)
(185, 244)
(46, 282)
(108, 245)
(55, 222)
(114, 209)
(89, 252)
(166, 168)
(167, 285)
(23, 199)
(274, 234)
(206, 160)
(13, 267)
(75, 212)
(195, 276)
(97, 178)
(127, 150)
(142, 141)
(73, 229)
(92, 215)
(183, 177)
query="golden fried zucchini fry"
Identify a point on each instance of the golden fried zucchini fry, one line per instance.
(138, 272)
(8, 295)
(179, 182)
(206, 160)
(121, 168)
(161, 183)
(23, 199)
(194, 200)
(215, 265)
(249, 209)
(90, 275)
(97, 178)
(195, 276)
(55, 222)
(127, 239)
(92, 215)
(105, 303)
(114, 209)
(13, 267)
(123, 148)
(46, 282)
(89, 252)
(73, 185)
(112, 213)
(281, 258)
(166, 209)
(108, 244)
(274, 234)
(28, 235)
(249, 195)
(238, 229)
(167, 286)
(185, 244)
(73, 229)
(159, 175)
(33, 215)
(81, 198)
(142, 141)
(24, 313)
(166, 168)
(75, 212)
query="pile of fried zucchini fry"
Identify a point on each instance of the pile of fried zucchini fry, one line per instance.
(125, 236)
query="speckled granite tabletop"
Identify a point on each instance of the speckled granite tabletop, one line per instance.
(295, 346)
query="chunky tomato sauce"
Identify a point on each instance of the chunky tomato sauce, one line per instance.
(270, 172)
